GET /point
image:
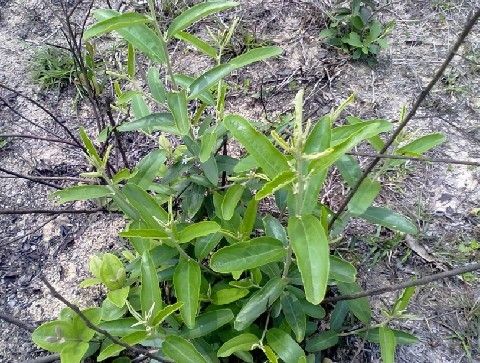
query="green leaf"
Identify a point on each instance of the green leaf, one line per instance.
(283, 344)
(181, 350)
(322, 341)
(240, 343)
(208, 79)
(249, 219)
(247, 255)
(353, 39)
(82, 192)
(112, 272)
(91, 150)
(310, 244)
(294, 315)
(387, 218)
(359, 307)
(205, 245)
(401, 337)
(273, 228)
(146, 205)
(165, 313)
(270, 159)
(364, 196)
(209, 322)
(402, 302)
(185, 82)
(121, 327)
(114, 23)
(148, 168)
(177, 103)
(271, 356)
(341, 270)
(255, 55)
(119, 296)
(280, 181)
(52, 335)
(139, 35)
(145, 233)
(318, 139)
(197, 12)
(315, 311)
(227, 294)
(207, 146)
(73, 352)
(196, 230)
(387, 344)
(150, 293)
(422, 144)
(230, 200)
(259, 302)
(186, 280)
(131, 61)
(156, 86)
(199, 44)
(112, 350)
(139, 106)
(349, 169)
(159, 121)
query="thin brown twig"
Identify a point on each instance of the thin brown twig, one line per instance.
(92, 326)
(34, 137)
(416, 158)
(56, 178)
(10, 319)
(27, 177)
(51, 211)
(468, 27)
(419, 282)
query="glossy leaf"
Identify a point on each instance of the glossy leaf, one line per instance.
(422, 144)
(197, 12)
(280, 181)
(186, 280)
(273, 228)
(73, 352)
(364, 196)
(150, 294)
(160, 121)
(255, 55)
(205, 245)
(227, 294)
(249, 219)
(207, 146)
(148, 208)
(165, 313)
(401, 337)
(359, 307)
(145, 233)
(271, 160)
(112, 350)
(242, 342)
(230, 200)
(199, 44)
(259, 303)
(177, 103)
(341, 270)
(208, 79)
(387, 344)
(82, 192)
(156, 86)
(310, 244)
(181, 350)
(402, 302)
(114, 23)
(209, 322)
(196, 230)
(148, 168)
(247, 255)
(119, 296)
(319, 138)
(387, 218)
(112, 272)
(322, 341)
(294, 315)
(284, 345)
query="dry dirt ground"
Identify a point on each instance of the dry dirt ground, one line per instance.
(441, 198)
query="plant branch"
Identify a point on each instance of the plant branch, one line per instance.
(92, 326)
(468, 27)
(422, 281)
(27, 177)
(10, 319)
(419, 159)
(23, 136)
(46, 359)
(51, 211)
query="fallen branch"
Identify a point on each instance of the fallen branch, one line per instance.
(33, 137)
(10, 319)
(51, 211)
(419, 159)
(46, 359)
(92, 326)
(28, 177)
(422, 281)
(468, 27)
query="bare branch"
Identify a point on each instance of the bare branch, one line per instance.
(27, 177)
(419, 159)
(10, 319)
(468, 27)
(34, 137)
(51, 211)
(46, 359)
(422, 281)
(99, 330)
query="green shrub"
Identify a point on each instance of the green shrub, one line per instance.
(52, 67)
(356, 31)
(209, 274)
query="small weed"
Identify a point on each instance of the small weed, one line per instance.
(53, 68)
(355, 30)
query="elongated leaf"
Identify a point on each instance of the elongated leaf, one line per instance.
(271, 160)
(401, 337)
(207, 146)
(230, 200)
(121, 327)
(112, 350)
(280, 181)
(140, 108)
(402, 302)
(294, 315)
(259, 303)
(364, 196)
(359, 307)
(177, 103)
(145, 233)
(387, 344)
(284, 345)
(247, 255)
(148, 168)
(186, 280)
(208, 79)
(162, 121)
(209, 322)
(322, 341)
(387, 218)
(165, 313)
(227, 294)
(205, 245)
(310, 244)
(139, 35)
(185, 82)
(147, 207)
(319, 138)
(350, 169)
(341, 270)
(73, 352)
(255, 55)
(156, 86)
(197, 12)
(242, 342)
(422, 144)
(91, 150)
(196, 230)
(199, 44)
(150, 294)
(273, 228)
(119, 296)
(249, 219)
(181, 350)
(114, 23)
(82, 192)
